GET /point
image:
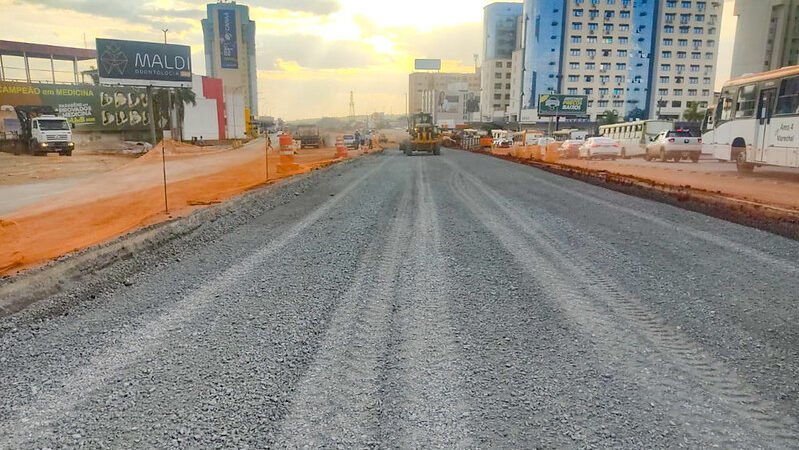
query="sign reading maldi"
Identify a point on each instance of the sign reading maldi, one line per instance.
(562, 105)
(228, 45)
(134, 63)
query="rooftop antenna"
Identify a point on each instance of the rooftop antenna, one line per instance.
(352, 103)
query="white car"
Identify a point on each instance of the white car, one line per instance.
(600, 148)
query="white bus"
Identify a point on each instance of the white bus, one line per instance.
(756, 121)
(634, 136)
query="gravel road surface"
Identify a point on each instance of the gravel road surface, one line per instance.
(459, 301)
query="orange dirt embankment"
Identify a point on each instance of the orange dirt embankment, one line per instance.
(132, 196)
(775, 188)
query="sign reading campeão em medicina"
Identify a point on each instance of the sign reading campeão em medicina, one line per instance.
(136, 63)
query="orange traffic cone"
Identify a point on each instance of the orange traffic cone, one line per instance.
(341, 150)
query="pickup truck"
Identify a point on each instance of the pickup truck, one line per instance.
(674, 145)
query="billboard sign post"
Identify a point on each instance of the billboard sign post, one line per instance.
(556, 105)
(228, 44)
(133, 63)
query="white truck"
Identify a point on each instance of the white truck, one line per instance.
(674, 145)
(39, 132)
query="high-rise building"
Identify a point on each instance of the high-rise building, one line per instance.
(766, 37)
(229, 37)
(453, 96)
(499, 42)
(641, 58)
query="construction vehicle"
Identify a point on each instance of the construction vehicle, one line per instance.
(37, 130)
(309, 136)
(425, 137)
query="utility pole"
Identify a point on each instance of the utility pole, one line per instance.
(352, 104)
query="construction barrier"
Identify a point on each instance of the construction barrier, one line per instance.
(132, 196)
(341, 150)
(287, 150)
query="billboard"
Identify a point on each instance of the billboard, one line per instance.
(505, 37)
(427, 64)
(89, 108)
(228, 43)
(136, 63)
(562, 105)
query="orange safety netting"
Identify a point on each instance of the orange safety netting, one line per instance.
(132, 196)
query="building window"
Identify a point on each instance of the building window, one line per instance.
(664, 79)
(666, 54)
(623, 40)
(681, 55)
(676, 104)
(498, 86)
(497, 96)
(671, 3)
(682, 42)
(574, 52)
(574, 65)
(578, 13)
(607, 40)
(571, 91)
(686, 4)
(499, 64)
(692, 92)
(577, 26)
(663, 92)
(665, 67)
(621, 66)
(577, 39)
(624, 14)
(668, 29)
(678, 92)
(667, 42)
(592, 39)
(621, 53)
(574, 78)
(590, 66)
(497, 75)
(508, 64)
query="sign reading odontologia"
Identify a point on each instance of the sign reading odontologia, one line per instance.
(228, 45)
(562, 105)
(136, 63)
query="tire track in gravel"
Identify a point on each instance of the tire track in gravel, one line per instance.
(713, 379)
(337, 401)
(37, 416)
(719, 241)
(424, 383)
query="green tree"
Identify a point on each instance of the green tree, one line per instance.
(636, 114)
(693, 113)
(609, 117)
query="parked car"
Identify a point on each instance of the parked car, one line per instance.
(570, 149)
(600, 148)
(675, 145)
(349, 141)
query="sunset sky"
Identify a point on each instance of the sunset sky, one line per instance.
(311, 53)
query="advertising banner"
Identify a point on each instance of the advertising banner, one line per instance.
(89, 108)
(228, 43)
(562, 105)
(427, 64)
(134, 63)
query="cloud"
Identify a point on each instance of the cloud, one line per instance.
(458, 43)
(317, 7)
(313, 52)
(131, 12)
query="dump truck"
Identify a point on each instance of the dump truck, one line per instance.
(425, 137)
(309, 136)
(37, 130)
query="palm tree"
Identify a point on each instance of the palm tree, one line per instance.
(180, 98)
(693, 114)
(609, 117)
